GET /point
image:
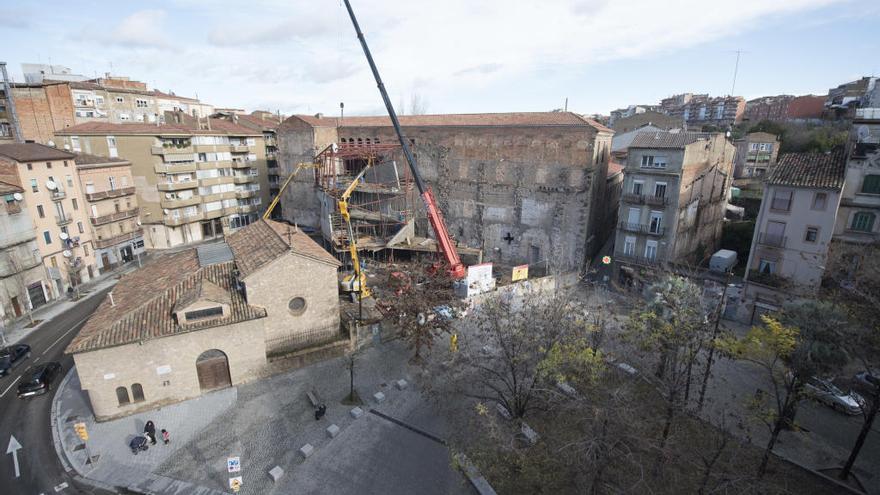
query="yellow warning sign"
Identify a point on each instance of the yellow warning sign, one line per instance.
(520, 272)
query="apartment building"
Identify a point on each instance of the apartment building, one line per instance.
(697, 111)
(795, 225)
(674, 195)
(24, 284)
(845, 99)
(267, 123)
(783, 108)
(47, 105)
(193, 181)
(756, 154)
(60, 217)
(113, 210)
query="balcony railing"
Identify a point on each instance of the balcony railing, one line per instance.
(245, 179)
(113, 217)
(112, 193)
(240, 148)
(772, 240)
(643, 229)
(635, 199)
(112, 241)
(639, 260)
(767, 279)
(656, 200)
(63, 219)
(177, 186)
(58, 195)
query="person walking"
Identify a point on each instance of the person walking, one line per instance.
(150, 430)
(166, 437)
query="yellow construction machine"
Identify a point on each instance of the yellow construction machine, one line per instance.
(354, 283)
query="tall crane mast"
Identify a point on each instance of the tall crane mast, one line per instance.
(444, 241)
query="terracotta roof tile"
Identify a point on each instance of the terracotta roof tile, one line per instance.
(27, 152)
(664, 139)
(86, 159)
(820, 170)
(522, 119)
(614, 168)
(265, 240)
(143, 303)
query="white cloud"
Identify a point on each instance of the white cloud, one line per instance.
(303, 54)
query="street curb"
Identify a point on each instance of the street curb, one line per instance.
(85, 298)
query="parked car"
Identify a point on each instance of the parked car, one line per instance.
(37, 380)
(870, 382)
(827, 393)
(12, 356)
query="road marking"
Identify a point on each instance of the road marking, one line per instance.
(64, 334)
(10, 386)
(36, 359)
(60, 487)
(13, 449)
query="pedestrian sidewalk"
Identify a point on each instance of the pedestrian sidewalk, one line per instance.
(20, 329)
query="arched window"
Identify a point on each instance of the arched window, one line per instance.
(122, 396)
(368, 141)
(360, 141)
(137, 392)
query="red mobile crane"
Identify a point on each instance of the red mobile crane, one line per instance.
(447, 248)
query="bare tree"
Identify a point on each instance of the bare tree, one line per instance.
(418, 104)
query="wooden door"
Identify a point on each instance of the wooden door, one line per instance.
(212, 368)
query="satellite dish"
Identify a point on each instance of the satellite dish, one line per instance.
(64, 236)
(863, 132)
(165, 211)
(50, 143)
(66, 147)
(66, 253)
(167, 195)
(50, 184)
(334, 148)
(139, 222)
(17, 196)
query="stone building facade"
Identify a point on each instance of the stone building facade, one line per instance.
(207, 318)
(58, 211)
(674, 196)
(24, 284)
(521, 187)
(194, 181)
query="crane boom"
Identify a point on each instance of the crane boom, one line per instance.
(447, 248)
(277, 197)
(356, 283)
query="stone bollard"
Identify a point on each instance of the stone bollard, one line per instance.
(356, 412)
(332, 431)
(401, 384)
(306, 450)
(379, 396)
(276, 473)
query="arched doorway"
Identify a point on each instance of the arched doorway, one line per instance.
(213, 369)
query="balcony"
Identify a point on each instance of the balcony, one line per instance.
(210, 198)
(638, 260)
(114, 217)
(213, 181)
(64, 219)
(246, 194)
(271, 155)
(118, 239)
(171, 150)
(207, 148)
(174, 222)
(58, 194)
(767, 279)
(635, 199)
(175, 168)
(246, 179)
(113, 193)
(272, 163)
(213, 165)
(177, 186)
(241, 164)
(179, 203)
(240, 148)
(772, 240)
(642, 229)
(656, 200)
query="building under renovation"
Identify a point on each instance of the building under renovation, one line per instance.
(514, 188)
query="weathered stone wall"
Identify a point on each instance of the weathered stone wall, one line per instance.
(521, 194)
(273, 286)
(102, 371)
(43, 109)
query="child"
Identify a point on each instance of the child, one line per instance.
(166, 437)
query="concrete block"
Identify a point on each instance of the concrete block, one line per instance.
(530, 435)
(503, 411)
(356, 413)
(401, 384)
(332, 431)
(379, 396)
(306, 450)
(276, 473)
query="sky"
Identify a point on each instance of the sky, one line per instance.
(456, 56)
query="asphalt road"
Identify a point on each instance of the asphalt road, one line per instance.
(28, 420)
